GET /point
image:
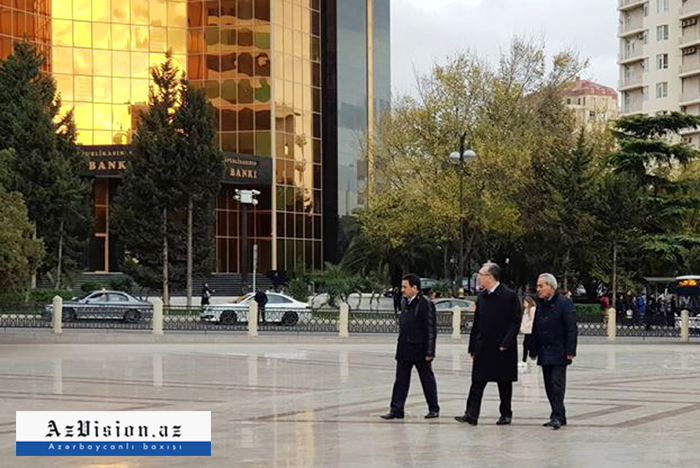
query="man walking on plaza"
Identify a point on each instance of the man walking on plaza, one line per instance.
(416, 347)
(493, 344)
(554, 343)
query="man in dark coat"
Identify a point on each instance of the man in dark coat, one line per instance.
(416, 347)
(493, 344)
(554, 337)
(261, 298)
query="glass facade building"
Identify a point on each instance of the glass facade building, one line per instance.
(287, 104)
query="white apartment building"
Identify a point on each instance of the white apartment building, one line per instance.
(660, 58)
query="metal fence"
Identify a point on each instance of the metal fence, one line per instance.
(178, 319)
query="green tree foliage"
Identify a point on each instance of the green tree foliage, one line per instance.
(46, 165)
(20, 255)
(170, 187)
(655, 162)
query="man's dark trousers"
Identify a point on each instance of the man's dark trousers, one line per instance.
(403, 381)
(555, 386)
(476, 393)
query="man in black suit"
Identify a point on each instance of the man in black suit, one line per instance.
(493, 344)
(416, 347)
(554, 337)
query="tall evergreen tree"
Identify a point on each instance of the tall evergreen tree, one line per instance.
(652, 156)
(202, 169)
(169, 193)
(47, 166)
(148, 199)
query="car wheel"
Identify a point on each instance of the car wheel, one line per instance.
(132, 316)
(229, 317)
(68, 315)
(289, 319)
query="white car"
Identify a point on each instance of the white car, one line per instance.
(279, 308)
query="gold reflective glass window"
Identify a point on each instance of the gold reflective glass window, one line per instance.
(120, 11)
(64, 83)
(121, 90)
(139, 38)
(139, 65)
(195, 41)
(83, 115)
(102, 137)
(180, 61)
(139, 12)
(158, 12)
(102, 89)
(62, 9)
(101, 36)
(82, 90)
(102, 62)
(84, 137)
(82, 34)
(101, 10)
(121, 64)
(62, 32)
(121, 37)
(177, 40)
(177, 14)
(102, 116)
(82, 61)
(121, 119)
(82, 10)
(139, 91)
(159, 39)
(62, 60)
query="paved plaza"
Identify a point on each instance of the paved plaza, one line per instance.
(306, 401)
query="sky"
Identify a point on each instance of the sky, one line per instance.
(426, 31)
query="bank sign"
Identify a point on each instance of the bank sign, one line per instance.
(113, 433)
(240, 169)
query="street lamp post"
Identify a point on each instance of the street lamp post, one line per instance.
(245, 198)
(460, 158)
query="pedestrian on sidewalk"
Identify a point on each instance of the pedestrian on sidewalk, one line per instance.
(206, 295)
(554, 340)
(415, 347)
(529, 308)
(493, 344)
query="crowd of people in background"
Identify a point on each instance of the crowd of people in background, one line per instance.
(644, 310)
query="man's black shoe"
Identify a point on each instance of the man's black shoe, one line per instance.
(432, 415)
(390, 416)
(556, 425)
(471, 420)
(549, 424)
(504, 421)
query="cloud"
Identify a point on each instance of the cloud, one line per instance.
(425, 31)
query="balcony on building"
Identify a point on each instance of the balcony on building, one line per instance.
(690, 96)
(689, 9)
(632, 106)
(690, 36)
(632, 26)
(630, 56)
(690, 65)
(630, 82)
(626, 5)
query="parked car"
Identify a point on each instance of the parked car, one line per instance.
(446, 304)
(102, 304)
(280, 308)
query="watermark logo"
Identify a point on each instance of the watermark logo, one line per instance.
(113, 433)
